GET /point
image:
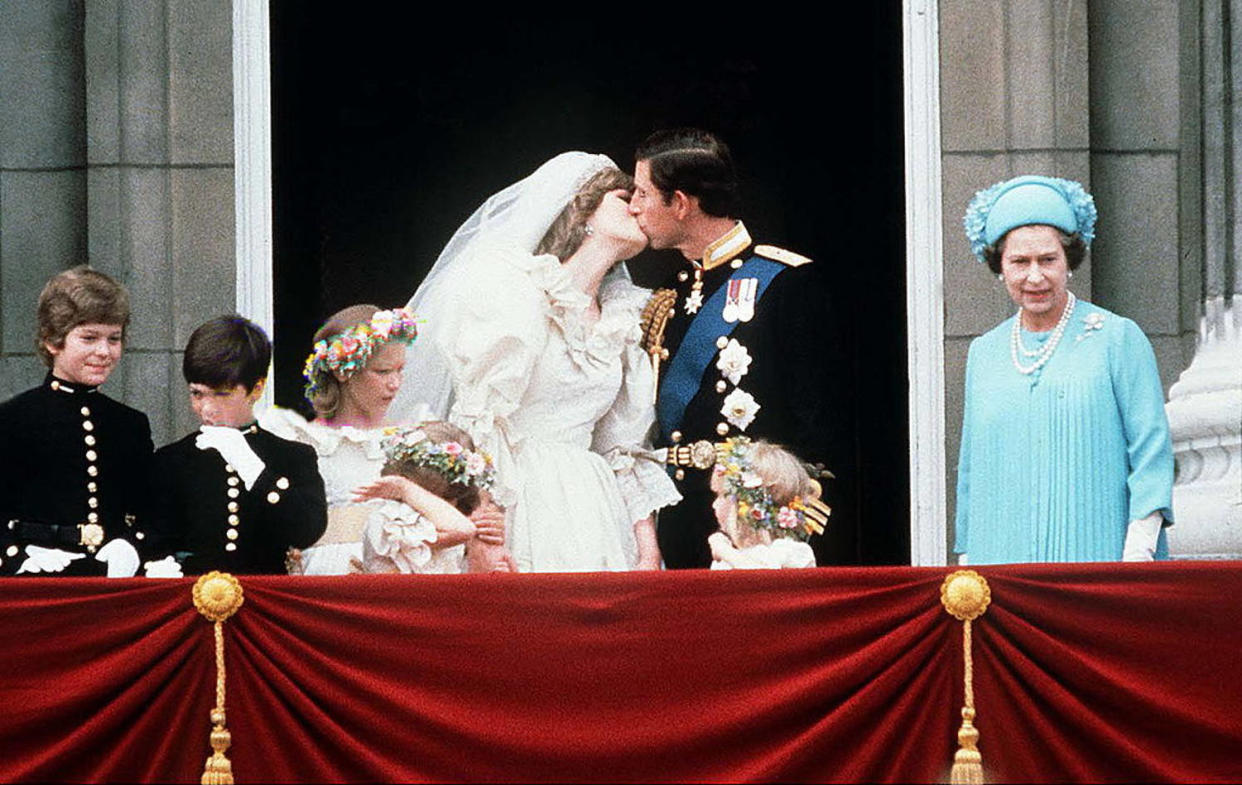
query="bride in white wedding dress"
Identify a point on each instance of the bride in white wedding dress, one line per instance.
(531, 343)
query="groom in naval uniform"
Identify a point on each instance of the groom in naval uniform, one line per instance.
(738, 336)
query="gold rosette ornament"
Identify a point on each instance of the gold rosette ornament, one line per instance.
(218, 595)
(966, 596)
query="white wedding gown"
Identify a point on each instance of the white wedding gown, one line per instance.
(562, 403)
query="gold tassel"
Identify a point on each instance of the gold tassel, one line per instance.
(218, 595)
(965, 595)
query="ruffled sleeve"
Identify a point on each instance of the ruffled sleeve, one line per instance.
(490, 332)
(623, 435)
(396, 539)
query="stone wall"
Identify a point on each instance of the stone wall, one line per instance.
(116, 147)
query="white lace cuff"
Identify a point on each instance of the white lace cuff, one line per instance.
(645, 485)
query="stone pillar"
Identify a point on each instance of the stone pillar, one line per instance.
(42, 170)
(1136, 156)
(160, 163)
(1205, 405)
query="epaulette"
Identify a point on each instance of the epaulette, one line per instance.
(654, 318)
(781, 255)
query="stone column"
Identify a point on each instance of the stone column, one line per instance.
(160, 157)
(42, 170)
(1205, 405)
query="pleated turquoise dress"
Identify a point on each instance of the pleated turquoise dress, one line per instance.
(1054, 465)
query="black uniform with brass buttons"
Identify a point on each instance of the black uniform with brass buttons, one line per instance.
(206, 518)
(791, 342)
(74, 474)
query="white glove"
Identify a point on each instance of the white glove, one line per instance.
(167, 567)
(1141, 538)
(233, 447)
(121, 558)
(40, 559)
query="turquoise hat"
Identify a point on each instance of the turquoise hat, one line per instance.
(1025, 200)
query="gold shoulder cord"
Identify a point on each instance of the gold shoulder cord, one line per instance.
(966, 596)
(656, 313)
(218, 595)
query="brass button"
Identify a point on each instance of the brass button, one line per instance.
(722, 342)
(683, 276)
(92, 470)
(273, 497)
(92, 517)
(234, 481)
(87, 425)
(283, 483)
(140, 535)
(228, 467)
(722, 428)
(675, 436)
(93, 502)
(90, 440)
(721, 386)
(680, 474)
(234, 493)
(736, 263)
(232, 506)
(92, 456)
(92, 487)
(230, 546)
(12, 551)
(86, 412)
(231, 534)
(233, 520)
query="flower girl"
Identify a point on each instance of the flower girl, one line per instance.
(767, 507)
(433, 479)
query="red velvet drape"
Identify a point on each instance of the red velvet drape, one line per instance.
(1082, 673)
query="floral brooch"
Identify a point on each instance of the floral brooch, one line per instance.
(1091, 323)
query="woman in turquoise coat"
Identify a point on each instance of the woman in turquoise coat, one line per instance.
(1065, 451)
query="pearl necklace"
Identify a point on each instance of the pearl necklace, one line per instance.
(1043, 355)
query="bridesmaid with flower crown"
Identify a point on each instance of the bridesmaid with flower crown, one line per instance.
(352, 375)
(1065, 451)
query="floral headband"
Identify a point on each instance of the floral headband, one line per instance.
(348, 352)
(799, 519)
(452, 461)
(1026, 200)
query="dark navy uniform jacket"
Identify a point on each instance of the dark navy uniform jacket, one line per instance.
(71, 457)
(205, 517)
(793, 377)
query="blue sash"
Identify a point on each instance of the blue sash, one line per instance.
(684, 376)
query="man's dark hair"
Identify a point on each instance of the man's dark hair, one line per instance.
(227, 351)
(696, 163)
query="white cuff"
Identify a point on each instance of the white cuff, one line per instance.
(1141, 538)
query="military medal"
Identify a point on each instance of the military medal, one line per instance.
(730, 311)
(694, 300)
(747, 291)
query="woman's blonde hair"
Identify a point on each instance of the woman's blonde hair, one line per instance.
(567, 232)
(326, 400)
(465, 498)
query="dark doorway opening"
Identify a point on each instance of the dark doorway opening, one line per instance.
(389, 130)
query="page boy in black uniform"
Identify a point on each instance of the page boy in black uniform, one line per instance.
(231, 496)
(73, 462)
